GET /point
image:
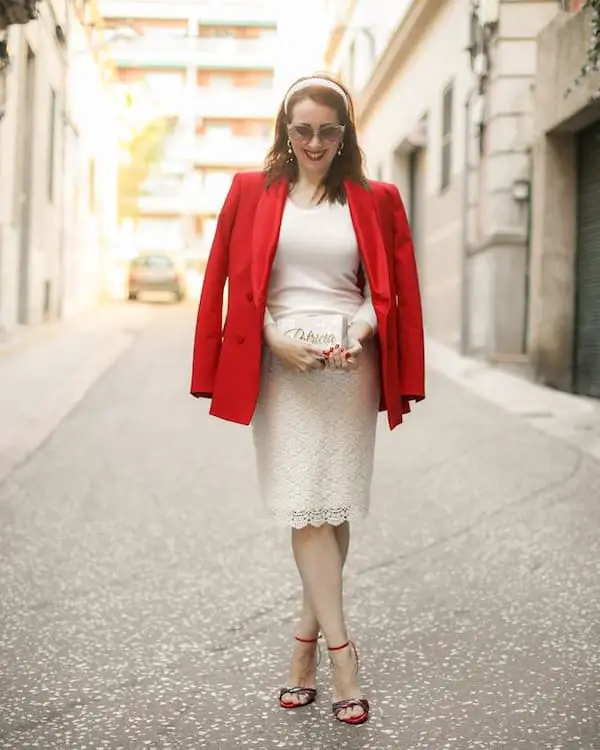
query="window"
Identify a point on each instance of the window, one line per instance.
(221, 81)
(447, 114)
(52, 144)
(92, 186)
(218, 130)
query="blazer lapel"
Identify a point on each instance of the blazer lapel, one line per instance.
(363, 211)
(265, 236)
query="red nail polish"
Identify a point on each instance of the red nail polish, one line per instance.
(347, 355)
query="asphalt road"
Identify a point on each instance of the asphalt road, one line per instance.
(146, 604)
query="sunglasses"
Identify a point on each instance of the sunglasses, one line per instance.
(303, 134)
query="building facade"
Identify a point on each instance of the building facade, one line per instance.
(208, 68)
(58, 153)
(459, 105)
(564, 335)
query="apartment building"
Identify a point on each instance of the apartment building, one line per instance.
(58, 157)
(445, 92)
(207, 67)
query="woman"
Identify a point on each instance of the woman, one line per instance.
(310, 235)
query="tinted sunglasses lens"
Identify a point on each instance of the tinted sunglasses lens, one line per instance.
(300, 133)
(330, 134)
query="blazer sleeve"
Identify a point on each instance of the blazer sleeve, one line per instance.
(209, 321)
(410, 315)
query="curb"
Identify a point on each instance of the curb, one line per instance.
(44, 377)
(575, 419)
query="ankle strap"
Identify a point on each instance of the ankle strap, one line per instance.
(306, 640)
(338, 648)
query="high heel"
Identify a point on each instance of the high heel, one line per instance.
(308, 694)
(338, 706)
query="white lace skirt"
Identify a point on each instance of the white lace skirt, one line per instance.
(314, 436)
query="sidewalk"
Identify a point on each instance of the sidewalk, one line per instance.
(44, 373)
(575, 419)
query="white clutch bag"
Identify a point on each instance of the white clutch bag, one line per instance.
(324, 331)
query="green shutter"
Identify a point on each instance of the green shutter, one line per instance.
(587, 318)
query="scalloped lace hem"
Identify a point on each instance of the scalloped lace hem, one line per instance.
(299, 519)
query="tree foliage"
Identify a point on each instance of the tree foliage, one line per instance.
(592, 60)
(143, 150)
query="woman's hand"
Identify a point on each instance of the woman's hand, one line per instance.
(295, 355)
(339, 358)
(349, 358)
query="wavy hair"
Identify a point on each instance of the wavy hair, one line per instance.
(349, 165)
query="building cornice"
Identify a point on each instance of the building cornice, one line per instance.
(337, 31)
(403, 40)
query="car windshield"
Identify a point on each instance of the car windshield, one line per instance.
(153, 261)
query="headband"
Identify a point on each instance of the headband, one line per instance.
(315, 81)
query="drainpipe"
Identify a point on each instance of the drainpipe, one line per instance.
(527, 276)
(465, 327)
(64, 119)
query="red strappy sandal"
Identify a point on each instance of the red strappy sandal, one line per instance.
(306, 696)
(338, 706)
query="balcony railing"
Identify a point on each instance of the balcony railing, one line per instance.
(200, 52)
(234, 102)
(206, 200)
(206, 11)
(233, 152)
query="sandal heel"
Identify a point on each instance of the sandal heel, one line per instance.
(338, 706)
(309, 694)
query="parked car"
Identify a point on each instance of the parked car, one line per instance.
(155, 272)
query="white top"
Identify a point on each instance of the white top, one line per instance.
(316, 266)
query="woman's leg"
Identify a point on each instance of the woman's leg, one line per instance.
(309, 625)
(320, 561)
(303, 670)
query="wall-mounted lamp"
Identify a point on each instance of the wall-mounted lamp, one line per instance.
(521, 190)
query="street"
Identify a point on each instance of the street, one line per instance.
(146, 604)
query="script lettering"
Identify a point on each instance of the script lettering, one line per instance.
(311, 337)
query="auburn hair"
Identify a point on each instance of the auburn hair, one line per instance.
(347, 165)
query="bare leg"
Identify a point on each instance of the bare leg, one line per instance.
(303, 671)
(320, 561)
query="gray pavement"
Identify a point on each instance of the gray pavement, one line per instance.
(145, 603)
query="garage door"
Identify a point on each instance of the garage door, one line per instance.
(587, 321)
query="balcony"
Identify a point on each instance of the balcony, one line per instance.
(200, 52)
(233, 152)
(231, 12)
(197, 202)
(231, 103)
(181, 197)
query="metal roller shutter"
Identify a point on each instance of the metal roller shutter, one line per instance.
(587, 319)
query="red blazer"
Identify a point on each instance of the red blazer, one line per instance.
(227, 358)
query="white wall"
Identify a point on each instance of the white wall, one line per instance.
(416, 91)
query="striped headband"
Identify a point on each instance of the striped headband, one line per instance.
(315, 81)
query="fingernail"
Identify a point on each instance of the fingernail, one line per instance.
(347, 355)
(337, 346)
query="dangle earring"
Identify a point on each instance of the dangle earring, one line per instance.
(290, 150)
(340, 149)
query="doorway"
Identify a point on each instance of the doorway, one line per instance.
(416, 201)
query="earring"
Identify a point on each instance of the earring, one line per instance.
(290, 150)
(340, 149)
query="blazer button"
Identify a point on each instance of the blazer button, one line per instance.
(249, 296)
(240, 339)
